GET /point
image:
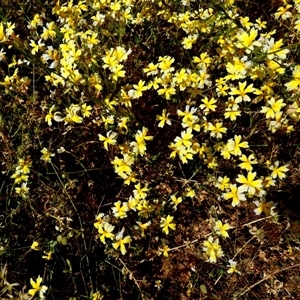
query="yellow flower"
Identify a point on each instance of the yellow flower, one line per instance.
(247, 162)
(22, 190)
(107, 121)
(36, 47)
(143, 227)
(110, 139)
(202, 61)
(180, 77)
(225, 152)
(2, 33)
(221, 229)
(165, 64)
(223, 183)
(245, 22)
(48, 255)
(138, 90)
(71, 116)
(19, 177)
(278, 171)
(164, 250)
(120, 241)
(49, 31)
(236, 194)
(263, 207)
(139, 192)
(273, 109)
(283, 12)
(86, 110)
(166, 223)
(190, 192)
(242, 91)
(101, 218)
(294, 84)
(247, 40)
(142, 136)
(175, 201)
(167, 92)
(105, 231)
(249, 184)
(151, 69)
(208, 105)
(117, 72)
(163, 119)
(51, 115)
(189, 41)
(35, 246)
(232, 112)
(212, 249)
(122, 166)
(120, 211)
(46, 157)
(185, 139)
(217, 130)
(232, 267)
(235, 144)
(122, 124)
(36, 287)
(97, 296)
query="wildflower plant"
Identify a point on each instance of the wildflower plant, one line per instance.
(148, 131)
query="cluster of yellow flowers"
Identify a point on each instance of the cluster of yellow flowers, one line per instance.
(21, 176)
(105, 230)
(211, 247)
(72, 114)
(238, 74)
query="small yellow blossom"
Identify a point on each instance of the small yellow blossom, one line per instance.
(97, 296)
(2, 33)
(164, 250)
(248, 183)
(167, 91)
(208, 105)
(163, 119)
(120, 241)
(51, 115)
(223, 183)
(247, 162)
(242, 92)
(48, 255)
(86, 110)
(37, 288)
(105, 231)
(221, 229)
(110, 139)
(143, 227)
(120, 211)
(273, 109)
(165, 64)
(212, 249)
(263, 207)
(232, 267)
(46, 157)
(278, 171)
(236, 194)
(217, 130)
(35, 246)
(166, 223)
(235, 144)
(175, 201)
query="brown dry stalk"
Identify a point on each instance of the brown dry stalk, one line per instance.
(267, 277)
